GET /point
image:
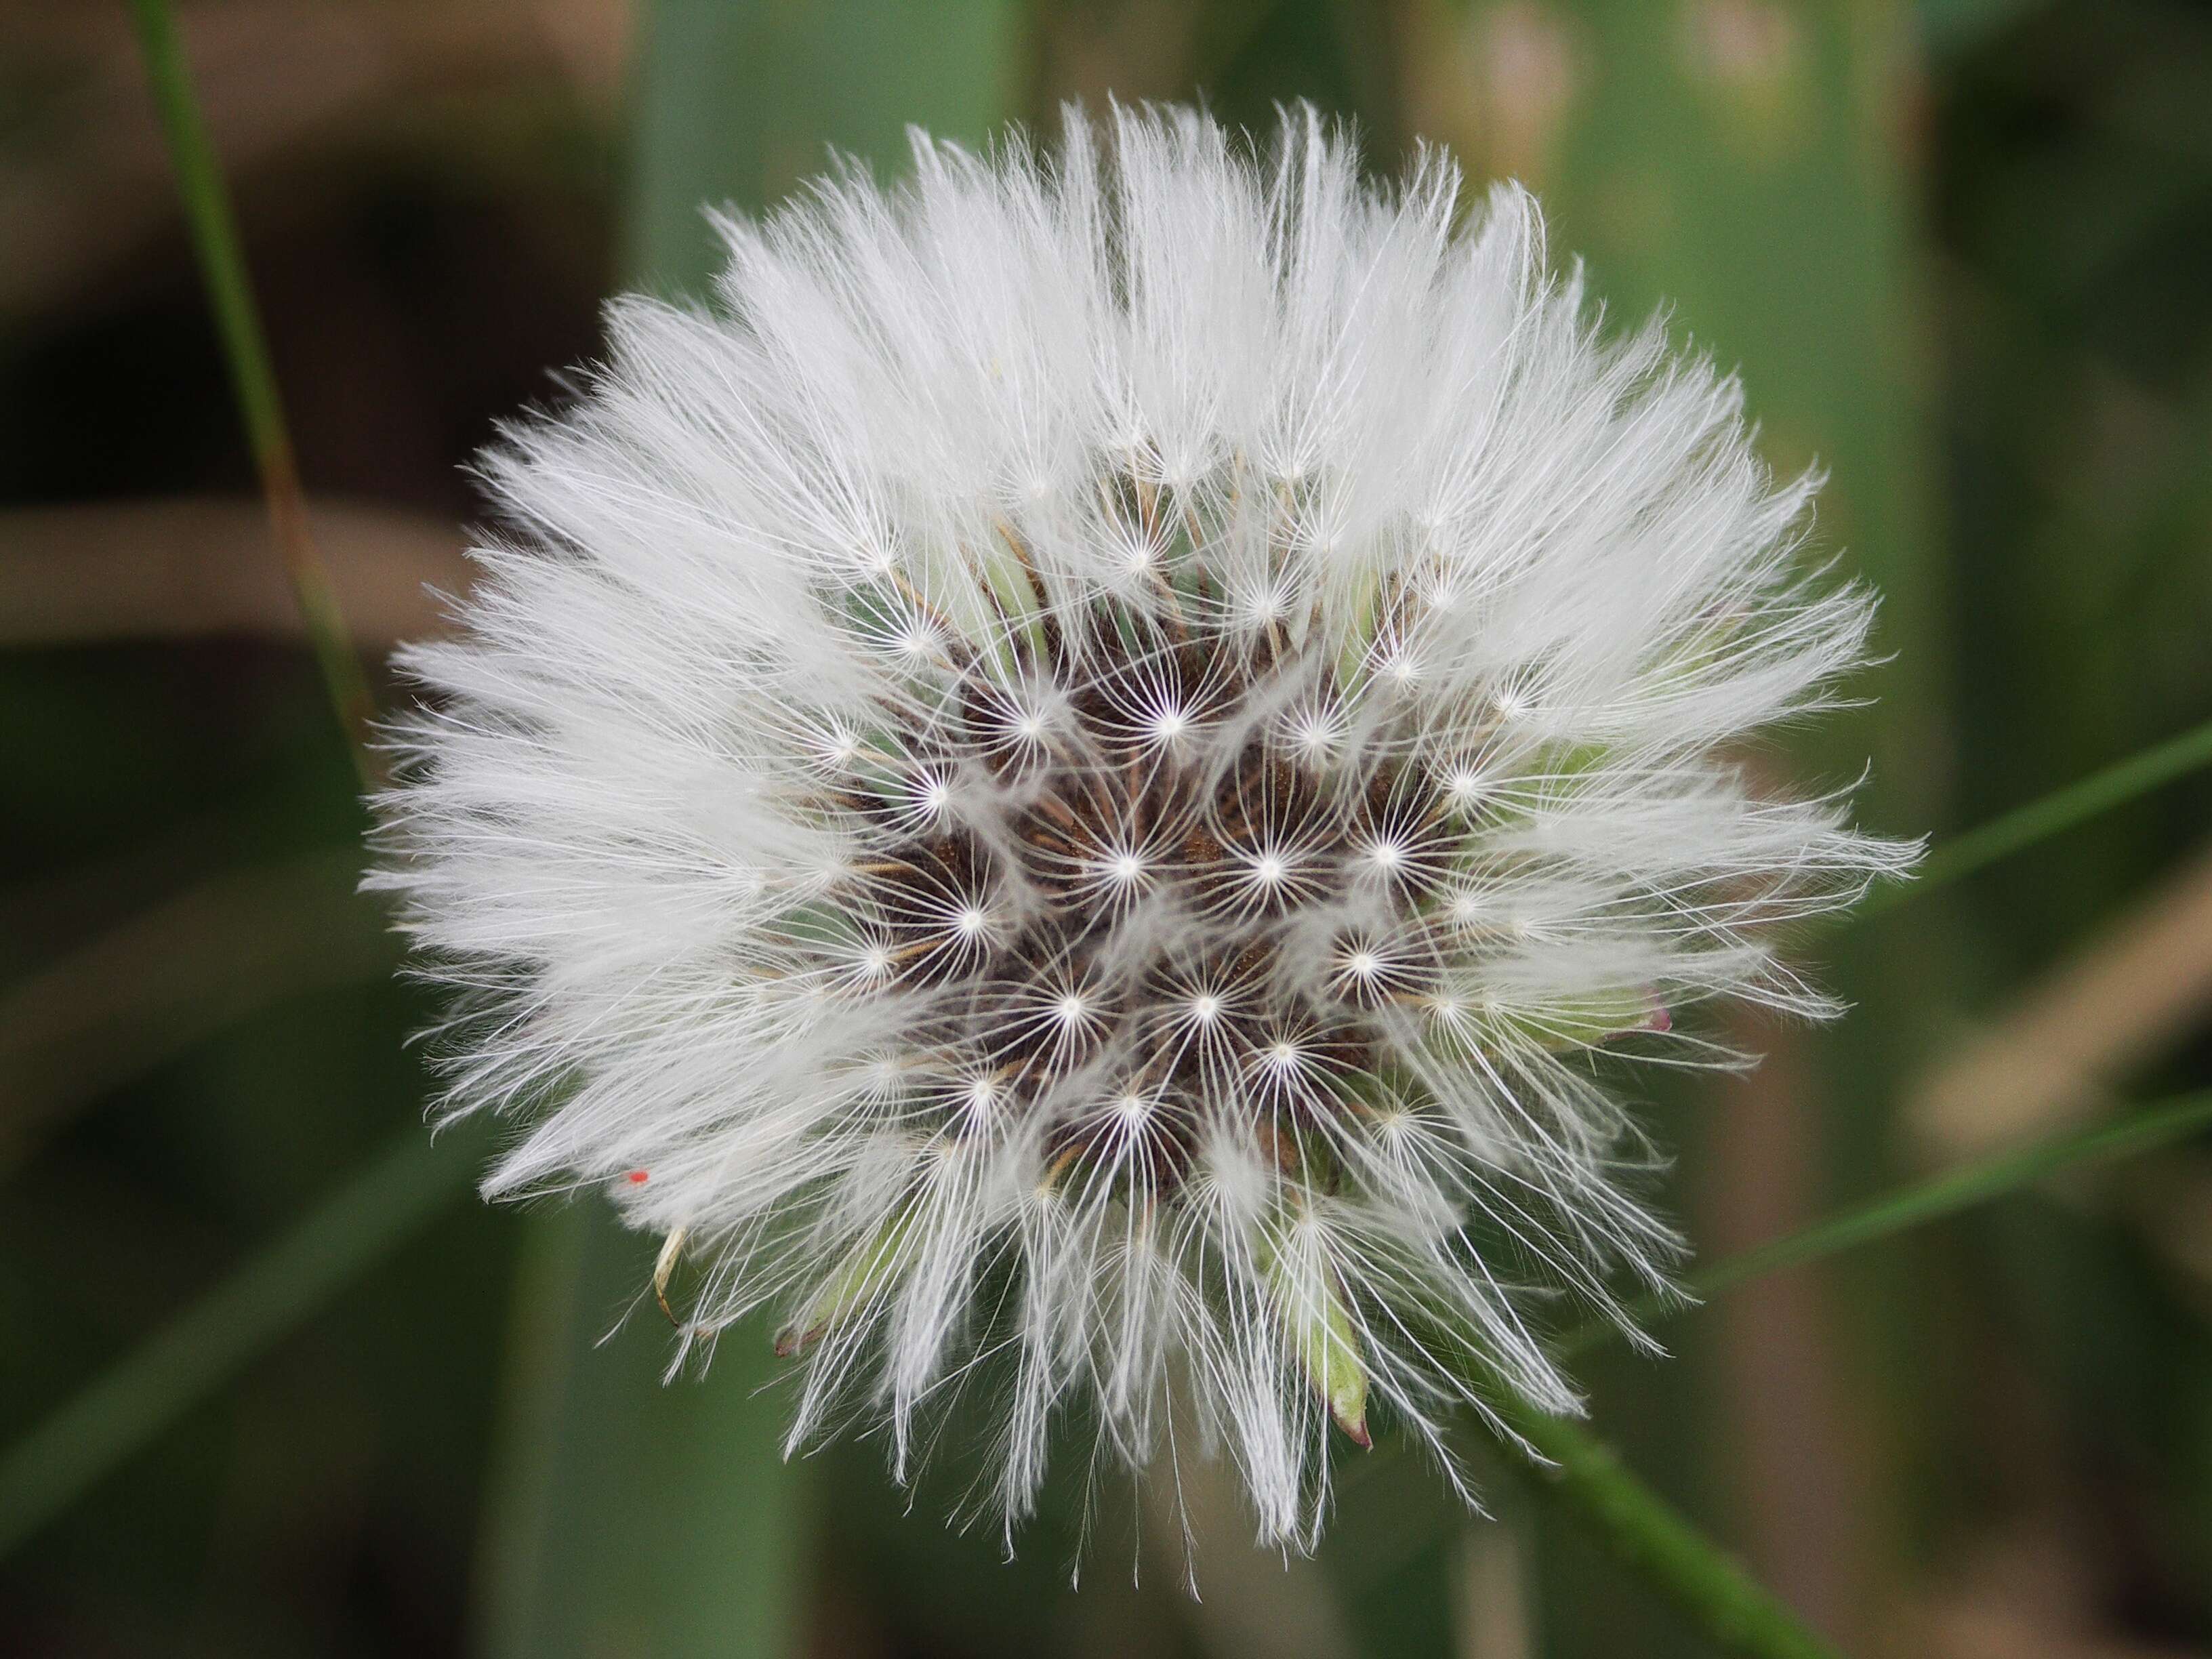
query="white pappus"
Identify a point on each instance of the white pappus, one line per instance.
(1063, 789)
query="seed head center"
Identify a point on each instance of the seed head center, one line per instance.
(1126, 900)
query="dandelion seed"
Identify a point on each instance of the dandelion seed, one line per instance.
(1079, 770)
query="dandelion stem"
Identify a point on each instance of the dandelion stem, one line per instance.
(230, 293)
(1651, 1536)
(1655, 1539)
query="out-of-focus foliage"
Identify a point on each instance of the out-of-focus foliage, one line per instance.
(633, 1517)
(1961, 255)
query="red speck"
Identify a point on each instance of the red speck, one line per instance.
(1660, 1021)
(639, 1177)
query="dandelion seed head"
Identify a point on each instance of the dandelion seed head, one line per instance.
(1078, 768)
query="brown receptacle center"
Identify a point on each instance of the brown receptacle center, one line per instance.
(1168, 901)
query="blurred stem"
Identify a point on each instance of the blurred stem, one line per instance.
(2054, 814)
(632, 1514)
(230, 293)
(216, 1337)
(1650, 1535)
(1920, 1203)
(1653, 1538)
(512, 1540)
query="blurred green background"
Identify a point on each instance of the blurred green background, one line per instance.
(1961, 254)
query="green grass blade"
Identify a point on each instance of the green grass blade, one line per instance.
(2054, 814)
(1925, 1201)
(201, 1348)
(742, 100)
(1947, 1194)
(230, 293)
